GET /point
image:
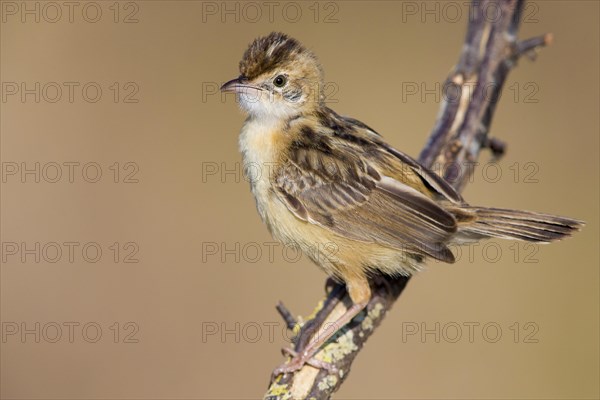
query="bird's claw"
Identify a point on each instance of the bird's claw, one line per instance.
(298, 360)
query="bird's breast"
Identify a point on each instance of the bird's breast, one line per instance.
(262, 144)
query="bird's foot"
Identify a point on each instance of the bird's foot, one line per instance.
(299, 360)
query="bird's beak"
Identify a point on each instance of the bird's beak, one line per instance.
(238, 85)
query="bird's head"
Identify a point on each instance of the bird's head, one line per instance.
(279, 78)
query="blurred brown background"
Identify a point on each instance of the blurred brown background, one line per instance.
(194, 317)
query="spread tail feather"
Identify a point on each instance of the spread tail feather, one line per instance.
(517, 225)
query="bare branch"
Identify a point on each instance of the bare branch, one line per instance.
(287, 316)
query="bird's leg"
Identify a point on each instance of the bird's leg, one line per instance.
(360, 294)
(337, 294)
(312, 361)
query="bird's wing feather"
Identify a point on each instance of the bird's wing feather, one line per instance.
(335, 185)
(436, 183)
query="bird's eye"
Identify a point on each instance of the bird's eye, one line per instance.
(280, 81)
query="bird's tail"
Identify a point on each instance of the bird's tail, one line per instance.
(514, 224)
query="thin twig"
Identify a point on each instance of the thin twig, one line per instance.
(287, 316)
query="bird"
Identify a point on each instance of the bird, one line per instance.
(355, 205)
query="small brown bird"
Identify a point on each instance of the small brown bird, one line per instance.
(352, 203)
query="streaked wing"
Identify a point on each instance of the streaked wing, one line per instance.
(334, 183)
(431, 179)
